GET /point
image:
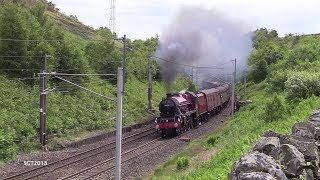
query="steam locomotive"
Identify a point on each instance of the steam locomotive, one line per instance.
(182, 111)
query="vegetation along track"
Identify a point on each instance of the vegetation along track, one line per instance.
(53, 166)
(107, 165)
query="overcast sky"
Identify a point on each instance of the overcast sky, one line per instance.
(141, 19)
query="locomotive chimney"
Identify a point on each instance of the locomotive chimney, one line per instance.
(169, 95)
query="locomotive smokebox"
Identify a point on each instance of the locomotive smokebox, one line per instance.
(169, 95)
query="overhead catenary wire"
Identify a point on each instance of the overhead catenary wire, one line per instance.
(65, 74)
(109, 98)
(20, 69)
(47, 40)
(21, 56)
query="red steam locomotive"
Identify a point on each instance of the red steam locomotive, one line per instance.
(183, 111)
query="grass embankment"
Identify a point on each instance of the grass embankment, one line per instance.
(69, 117)
(213, 156)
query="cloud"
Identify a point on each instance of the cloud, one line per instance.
(143, 18)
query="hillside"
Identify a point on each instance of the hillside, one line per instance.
(72, 24)
(27, 33)
(284, 85)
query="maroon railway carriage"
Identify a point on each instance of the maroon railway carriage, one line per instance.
(213, 99)
(225, 94)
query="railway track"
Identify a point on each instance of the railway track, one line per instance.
(77, 158)
(107, 165)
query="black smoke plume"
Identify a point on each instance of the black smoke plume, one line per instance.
(202, 37)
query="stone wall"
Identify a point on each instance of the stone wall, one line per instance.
(277, 156)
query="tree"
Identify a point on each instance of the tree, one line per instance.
(104, 57)
(260, 71)
(38, 11)
(12, 26)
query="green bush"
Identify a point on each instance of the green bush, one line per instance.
(182, 162)
(276, 80)
(212, 140)
(259, 71)
(275, 109)
(301, 85)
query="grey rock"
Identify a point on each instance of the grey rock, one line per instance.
(313, 167)
(304, 130)
(256, 176)
(315, 115)
(307, 148)
(271, 133)
(284, 139)
(308, 174)
(256, 162)
(291, 160)
(317, 130)
(269, 146)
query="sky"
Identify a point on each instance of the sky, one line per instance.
(141, 19)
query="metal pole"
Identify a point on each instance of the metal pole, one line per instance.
(46, 58)
(43, 104)
(197, 75)
(124, 39)
(192, 74)
(119, 123)
(245, 84)
(232, 95)
(235, 70)
(150, 84)
(41, 128)
(233, 85)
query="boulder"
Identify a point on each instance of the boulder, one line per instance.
(307, 174)
(317, 131)
(271, 133)
(307, 148)
(315, 115)
(269, 146)
(256, 176)
(305, 145)
(291, 160)
(284, 139)
(304, 130)
(256, 162)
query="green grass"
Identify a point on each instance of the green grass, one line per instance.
(236, 137)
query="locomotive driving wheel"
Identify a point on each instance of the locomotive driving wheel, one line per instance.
(177, 131)
(163, 133)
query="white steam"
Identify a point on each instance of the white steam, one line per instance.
(202, 37)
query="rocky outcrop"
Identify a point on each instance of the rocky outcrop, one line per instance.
(277, 156)
(256, 162)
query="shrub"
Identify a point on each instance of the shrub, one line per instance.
(301, 85)
(276, 80)
(275, 109)
(182, 162)
(259, 71)
(212, 140)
